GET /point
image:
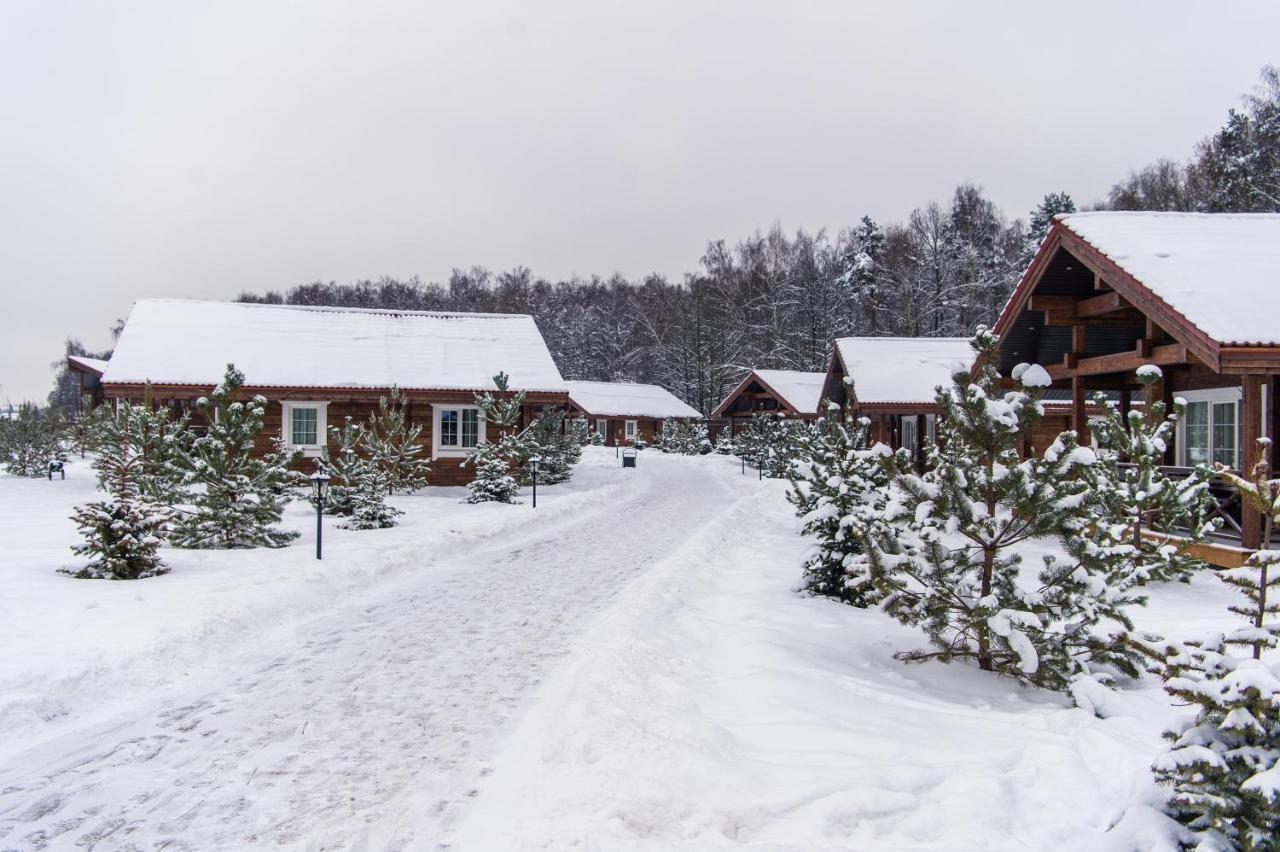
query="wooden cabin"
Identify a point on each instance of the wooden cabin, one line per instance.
(623, 412)
(88, 373)
(319, 365)
(894, 383)
(790, 393)
(1197, 295)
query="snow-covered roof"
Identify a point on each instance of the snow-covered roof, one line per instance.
(93, 365)
(801, 390)
(902, 369)
(174, 341)
(627, 399)
(1219, 270)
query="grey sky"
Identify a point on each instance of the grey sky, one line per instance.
(200, 149)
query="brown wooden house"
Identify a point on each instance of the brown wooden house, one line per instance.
(790, 393)
(894, 381)
(88, 373)
(1197, 295)
(318, 365)
(623, 412)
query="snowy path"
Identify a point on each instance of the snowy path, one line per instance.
(372, 730)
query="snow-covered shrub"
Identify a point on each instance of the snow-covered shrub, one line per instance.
(495, 458)
(1141, 509)
(122, 534)
(394, 446)
(839, 491)
(724, 444)
(32, 439)
(237, 497)
(493, 482)
(945, 563)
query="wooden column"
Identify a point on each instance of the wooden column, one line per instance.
(1079, 416)
(922, 426)
(1250, 432)
(1273, 420)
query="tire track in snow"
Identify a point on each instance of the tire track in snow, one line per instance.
(372, 730)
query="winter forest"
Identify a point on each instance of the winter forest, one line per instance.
(773, 300)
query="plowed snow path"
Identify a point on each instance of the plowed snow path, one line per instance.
(370, 731)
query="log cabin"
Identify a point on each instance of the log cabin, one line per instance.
(789, 393)
(88, 373)
(319, 365)
(894, 384)
(624, 412)
(1197, 295)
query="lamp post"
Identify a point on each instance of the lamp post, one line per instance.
(320, 484)
(760, 466)
(533, 463)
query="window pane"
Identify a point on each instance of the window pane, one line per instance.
(303, 426)
(1224, 433)
(631, 428)
(470, 427)
(449, 428)
(909, 433)
(1196, 433)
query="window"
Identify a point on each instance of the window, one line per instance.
(909, 432)
(304, 425)
(459, 428)
(630, 430)
(602, 426)
(1210, 429)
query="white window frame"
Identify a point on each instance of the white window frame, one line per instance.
(322, 425)
(1212, 396)
(438, 451)
(602, 427)
(631, 429)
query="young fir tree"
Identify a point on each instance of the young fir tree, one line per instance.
(1140, 506)
(157, 438)
(772, 442)
(1223, 766)
(32, 439)
(948, 565)
(502, 449)
(83, 428)
(558, 451)
(237, 498)
(393, 445)
(666, 439)
(839, 492)
(596, 439)
(1259, 578)
(724, 445)
(358, 488)
(122, 534)
(580, 431)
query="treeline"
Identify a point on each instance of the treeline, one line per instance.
(776, 300)
(771, 300)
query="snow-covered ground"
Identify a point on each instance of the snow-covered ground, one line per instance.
(623, 668)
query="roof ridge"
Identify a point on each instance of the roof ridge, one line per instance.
(336, 308)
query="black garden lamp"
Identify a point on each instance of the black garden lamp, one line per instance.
(533, 466)
(760, 466)
(320, 489)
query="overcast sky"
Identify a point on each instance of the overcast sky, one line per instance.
(200, 149)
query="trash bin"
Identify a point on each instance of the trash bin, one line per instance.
(629, 458)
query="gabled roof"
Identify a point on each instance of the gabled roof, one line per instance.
(896, 370)
(96, 366)
(180, 342)
(1211, 280)
(799, 391)
(1221, 271)
(627, 399)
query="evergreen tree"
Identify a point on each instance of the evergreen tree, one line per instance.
(947, 562)
(497, 456)
(1141, 507)
(580, 431)
(32, 439)
(122, 534)
(839, 491)
(597, 440)
(368, 499)
(394, 446)
(558, 451)
(82, 429)
(157, 439)
(665, 440)
(724, 444)
(238, 498)
(1259, 578)
(1223, 766)
(1053, 204)
(345, 468)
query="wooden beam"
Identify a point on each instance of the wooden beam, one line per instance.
(1098, 305)
(1168, 355)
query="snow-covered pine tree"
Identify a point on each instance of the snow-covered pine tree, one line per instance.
(597, 440)
(666, 439)
(237, 498)
(1042, 219)
(839, 490)
(1140, 506)
(368, 498)
(699, 443)
(157, 438)
(122, 533)
(83, 427)
(948, 566)
(1259, 578)
(394, 446)
(724, 445)
(497, 455)
(1224, 765)
(32, 439)
(558, 451)
(359, 487)
(580, 431)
